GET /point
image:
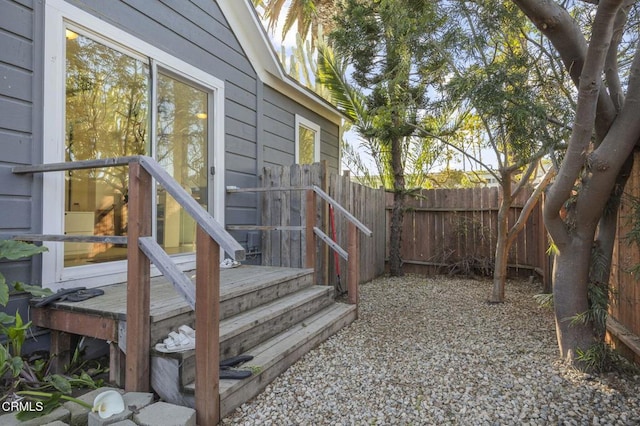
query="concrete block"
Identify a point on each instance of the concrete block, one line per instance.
(57, 423)
(79, 414)
(59, 414)
(135, 397)
(135, 401)
(95, 420)
(124, 423)
(165, 414)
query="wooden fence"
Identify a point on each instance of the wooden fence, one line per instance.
(624, 312)
(287, 209)
(448, 227)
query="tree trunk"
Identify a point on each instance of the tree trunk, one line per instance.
(503, 243)
(570, 289)
(395, 238)
(397, 214)
(502, 248)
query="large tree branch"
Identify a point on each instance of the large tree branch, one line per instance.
(611, 67)
(588, 101)
(530, 204)
(565, 35)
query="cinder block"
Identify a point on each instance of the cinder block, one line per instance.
(79, 414)
(57, 423)
(135, 401)
(124, 423)
(95, 420)
(165, 414)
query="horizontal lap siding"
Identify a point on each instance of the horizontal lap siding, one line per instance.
(20, 120)
(17, 118)
(279, 131)
(197, 32)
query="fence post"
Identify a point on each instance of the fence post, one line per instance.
(138, 281)
(354, 263)
(207, 385)
(310, 219)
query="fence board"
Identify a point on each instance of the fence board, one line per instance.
(446, 226)
(626, 301)
(287, 208)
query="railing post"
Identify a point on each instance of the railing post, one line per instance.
(310, 222)
(138, 281)
(354, 263)
(207, 392)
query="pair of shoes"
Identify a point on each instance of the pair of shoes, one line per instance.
(226, 371)
(229, 374)
(235, 361)
(181, 341)
(76, 294)
(229, 263)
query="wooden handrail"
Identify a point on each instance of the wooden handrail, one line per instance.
(351, 218)
(352, 252)
(195, 210)
(201, 216)
(336, 205)
(142, 248)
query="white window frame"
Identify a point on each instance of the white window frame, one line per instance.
(58, 15)
(301, 121)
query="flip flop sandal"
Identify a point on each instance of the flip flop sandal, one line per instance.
(235, 361)
(81, 295)
(58, 296)
(226, 373)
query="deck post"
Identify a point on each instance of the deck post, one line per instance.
(138, 281)
(354, 263)
(310, 236)
(207, 383)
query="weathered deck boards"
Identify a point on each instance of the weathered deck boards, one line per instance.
(104, 317)
(166, 302)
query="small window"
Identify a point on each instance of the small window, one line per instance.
(307, 141)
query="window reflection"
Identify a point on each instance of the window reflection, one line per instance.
(107, 115)
(182, 151)
(307, 144)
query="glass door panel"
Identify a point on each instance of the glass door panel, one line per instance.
(107, 115)
(182, 136)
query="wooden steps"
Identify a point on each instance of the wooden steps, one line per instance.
(276, 318)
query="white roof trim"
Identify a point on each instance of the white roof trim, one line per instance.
(255, 41)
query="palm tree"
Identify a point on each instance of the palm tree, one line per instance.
(307, 14)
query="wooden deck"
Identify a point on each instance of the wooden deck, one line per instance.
(104, 317)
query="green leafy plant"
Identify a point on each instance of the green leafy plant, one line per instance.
(30, 377)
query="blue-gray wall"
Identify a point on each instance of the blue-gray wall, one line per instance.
(259, 121)
(20, 131)
(278, 132)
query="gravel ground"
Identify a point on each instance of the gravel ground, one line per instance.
(429, 350)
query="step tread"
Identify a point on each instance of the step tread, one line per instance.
(269, 353)
(247, 320)
(166, 302)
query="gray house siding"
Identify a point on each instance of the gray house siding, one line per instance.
(197, 33)
(259, 121)
(20, 131)
(278, 135)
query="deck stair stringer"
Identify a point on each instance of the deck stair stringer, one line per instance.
(275, 315)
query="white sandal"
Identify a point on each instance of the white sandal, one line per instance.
(177, 342)
(229, 263)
